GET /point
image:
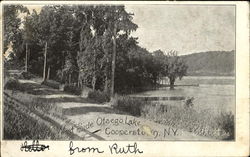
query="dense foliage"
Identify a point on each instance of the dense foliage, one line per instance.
(89, 45)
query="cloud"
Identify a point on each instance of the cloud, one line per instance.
(186, 29)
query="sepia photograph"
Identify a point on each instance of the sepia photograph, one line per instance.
(119, 72)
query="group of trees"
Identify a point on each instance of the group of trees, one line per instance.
(86, 45)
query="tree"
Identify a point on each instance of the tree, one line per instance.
(45, 33)
(100, 28)
(13, 39)
(12, 23)
(118, 21)
(90, 45)
(28, 36)
(55, 34)
(107, 47)
(33, 49)
(160, 65)
(176, 67)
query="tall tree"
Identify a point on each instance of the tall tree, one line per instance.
(119, 22)
(28, 33)
(13, 39)
(176, 68)
(55, 29)
(101, 26)
(45, 33)
(12, 23)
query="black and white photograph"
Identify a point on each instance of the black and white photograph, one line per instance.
(119, 72)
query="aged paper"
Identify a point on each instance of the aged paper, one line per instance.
(101, 78)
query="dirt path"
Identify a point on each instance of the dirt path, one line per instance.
(112, 126)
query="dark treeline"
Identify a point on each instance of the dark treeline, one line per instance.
(86, 45)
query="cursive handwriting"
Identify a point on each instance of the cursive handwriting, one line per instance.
(114, 149)
(124, 150)
(82, 150)
(35, 146)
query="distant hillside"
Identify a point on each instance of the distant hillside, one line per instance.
(212, 63)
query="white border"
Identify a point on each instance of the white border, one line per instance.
(239, 147)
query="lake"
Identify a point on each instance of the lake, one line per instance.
(214, 94)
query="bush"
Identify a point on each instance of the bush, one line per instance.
(226, 122)
(25, 75)
(72, 89)
(51, 83)
(99, 96)
(12, 84)
(153, 111)
(129, 105)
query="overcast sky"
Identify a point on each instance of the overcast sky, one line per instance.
(184, 28)
(187, 29)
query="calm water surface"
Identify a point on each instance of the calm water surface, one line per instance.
(215, 94)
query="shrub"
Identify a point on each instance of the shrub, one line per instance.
(225, 121)
(25, 75)
(129, 105)
(51, 83)
(189, 102)
(153, 111)
(12, 84)
(99, 96)
(72, 89)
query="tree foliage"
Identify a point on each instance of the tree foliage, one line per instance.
(86, 45)
(12, 23)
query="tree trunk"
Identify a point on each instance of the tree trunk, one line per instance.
(45, 62)
(172, 80)
(106, 83)
(48, 73)
(106, 72)
(93, 82)
(113, 62)
(79, 82)
(70, 78)
(26, 59)
(81, 40)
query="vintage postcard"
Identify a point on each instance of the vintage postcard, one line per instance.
(101, 78)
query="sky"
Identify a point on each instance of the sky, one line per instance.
(186, 29)
(183, 28)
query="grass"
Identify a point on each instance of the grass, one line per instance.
(21, 124)
(18, 125)
(202, 123)
(12, 84)
(43, 105)
(70, 88)
(52, 84)
(98, 96)
(129, 105)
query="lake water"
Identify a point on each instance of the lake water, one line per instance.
(214, 94)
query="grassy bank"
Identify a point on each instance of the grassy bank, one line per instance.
(19, 125)
(202, 123)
